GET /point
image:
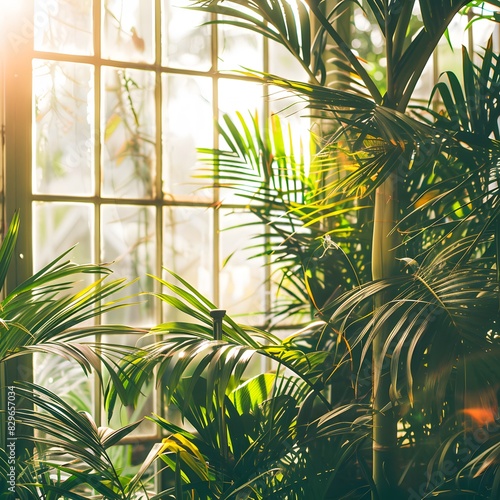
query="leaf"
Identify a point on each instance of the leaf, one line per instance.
(61, 429)
(188, 453)
(252, 392)
(7, 247)
(112, 124)
(426, 198)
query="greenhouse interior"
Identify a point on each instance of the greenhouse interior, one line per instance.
(250, 249)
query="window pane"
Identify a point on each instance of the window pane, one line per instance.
(63, 26)
(125, 415)
(129, 245)
(292, 112)
(63, 128)
(282, 63)
(237, 95)
(64, 377)
(482, 30)
(450, 59)
(56, 228)
(424, 86)
(186, 43)
(187, 124)
(239, 48)
(242, 277)
(245, 97)
(130, 458)
(59, 226)
(187, 248)
(128, 30)
(129, 133)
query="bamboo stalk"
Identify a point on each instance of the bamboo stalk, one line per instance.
(384, 262)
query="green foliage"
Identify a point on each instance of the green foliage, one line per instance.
(385, 247)
(389, 235)
(48, 314)
(269, 169)
(42, 314)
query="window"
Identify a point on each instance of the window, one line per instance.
(105, 105)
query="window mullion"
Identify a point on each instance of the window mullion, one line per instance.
(216, 192)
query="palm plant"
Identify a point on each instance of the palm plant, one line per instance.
(72, 454)
(430, 185)
(273, 435)
(48, 314)
(388, 242)
(266, 167)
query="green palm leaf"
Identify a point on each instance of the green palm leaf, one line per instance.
(293, 198)
(434, 313)
(71, 444)
(47, 313)
(8, 246)
(286, 23)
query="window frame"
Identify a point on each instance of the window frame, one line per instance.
(16, 107)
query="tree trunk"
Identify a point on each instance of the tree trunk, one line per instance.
(384, 266)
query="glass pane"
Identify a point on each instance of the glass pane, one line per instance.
(129, 245)
(284, 64)
(56, 228)
(187, 124)
(186, 43)
(187, 248)
(236, 95)
(245, 97)
(65, 378)
(128, 133)
(291, 110)
(128, 30)
(481, 31)
(128, 459)
(242, 277)
(239, 49)
(59, 226)
(124, 415)
(63, 26)
(423, 89)
(63, 155)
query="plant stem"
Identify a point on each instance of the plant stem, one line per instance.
(218, 316)
(384, 266)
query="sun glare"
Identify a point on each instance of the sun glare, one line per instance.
(15, 25)
(9, 7)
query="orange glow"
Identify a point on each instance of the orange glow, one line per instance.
(15, 25)
(9, 9)
(482, 416)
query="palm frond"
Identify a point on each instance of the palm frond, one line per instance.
(434, 313)
(7, 247)
(286, 23)
(73, 447)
